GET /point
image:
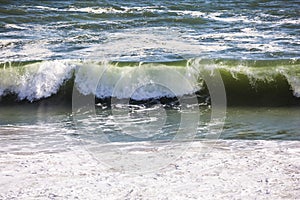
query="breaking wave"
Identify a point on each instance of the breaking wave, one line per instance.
(261, 82)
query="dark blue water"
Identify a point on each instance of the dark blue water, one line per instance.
(43, 30)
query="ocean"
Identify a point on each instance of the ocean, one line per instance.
(133, 74)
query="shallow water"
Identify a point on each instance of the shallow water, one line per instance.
(25, 130)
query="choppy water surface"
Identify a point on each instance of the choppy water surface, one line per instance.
(50, 48)
(163, 30)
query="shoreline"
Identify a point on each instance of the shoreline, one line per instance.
(231, 169)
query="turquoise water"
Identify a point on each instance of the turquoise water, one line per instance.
(148, 55)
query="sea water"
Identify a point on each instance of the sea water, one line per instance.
(136, 63)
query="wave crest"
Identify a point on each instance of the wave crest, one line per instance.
(245, 81)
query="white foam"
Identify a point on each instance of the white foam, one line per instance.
(41, 80)
(288, 21)
(35, 81)
(189, 12)
(230, 169)
(291, 76)
(15, 26)
(24, 49)
(46, 8)
(97, 10)
(140, 82)
(143, 43)
(295, 84)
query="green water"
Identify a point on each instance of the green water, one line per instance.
(38, 127)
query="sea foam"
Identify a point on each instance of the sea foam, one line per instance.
(35, 81)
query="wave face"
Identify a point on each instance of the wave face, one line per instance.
(261, 82)
(47, 47)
